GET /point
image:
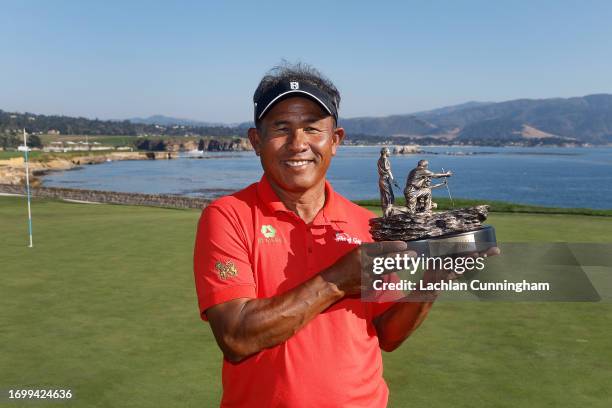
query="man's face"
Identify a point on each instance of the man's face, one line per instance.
(296, 141)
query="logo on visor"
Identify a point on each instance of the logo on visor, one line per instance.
(294, 85)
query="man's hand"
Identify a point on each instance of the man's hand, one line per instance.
(353, 272)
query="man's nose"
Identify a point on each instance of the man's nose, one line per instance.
(298, 140)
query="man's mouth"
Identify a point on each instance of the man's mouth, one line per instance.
(297, 163)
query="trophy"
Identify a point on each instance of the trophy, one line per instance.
(429, 233)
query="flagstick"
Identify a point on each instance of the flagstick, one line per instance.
(27, 171)
(448, 189)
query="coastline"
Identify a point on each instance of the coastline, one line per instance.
(91, 196)
(552, 146)
(12, 171)
(186, 177)
(106, 197)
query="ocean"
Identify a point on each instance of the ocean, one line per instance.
(549, 176)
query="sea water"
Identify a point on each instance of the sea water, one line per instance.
(549, 176)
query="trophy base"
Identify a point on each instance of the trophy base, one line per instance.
(457, 243)
(427, 225)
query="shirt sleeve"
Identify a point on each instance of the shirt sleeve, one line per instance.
(221, 262)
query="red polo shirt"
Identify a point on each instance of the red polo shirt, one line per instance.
(249, 245)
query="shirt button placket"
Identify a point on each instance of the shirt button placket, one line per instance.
(309, 245)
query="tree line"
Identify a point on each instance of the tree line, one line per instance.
(12, 123)
(12, 141)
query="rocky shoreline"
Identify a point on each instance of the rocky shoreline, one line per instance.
(107, 197)
(12, 171)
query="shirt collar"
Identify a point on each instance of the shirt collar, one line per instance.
(332, 210)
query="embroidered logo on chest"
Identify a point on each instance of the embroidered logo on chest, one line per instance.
(268, 233)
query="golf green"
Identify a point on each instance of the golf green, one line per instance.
(104, 304)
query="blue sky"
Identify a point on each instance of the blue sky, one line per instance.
(203, 60)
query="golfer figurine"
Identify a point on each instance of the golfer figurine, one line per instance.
(385, 181)
(440, 233)
(418, 188)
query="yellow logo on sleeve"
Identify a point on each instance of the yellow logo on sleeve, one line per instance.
(226, 270)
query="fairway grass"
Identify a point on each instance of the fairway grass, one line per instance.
(104, 304)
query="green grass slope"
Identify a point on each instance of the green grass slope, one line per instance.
(104, 304)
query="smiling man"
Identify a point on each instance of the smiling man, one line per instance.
(278, 265)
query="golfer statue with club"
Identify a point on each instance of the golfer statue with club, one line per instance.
(385, 181)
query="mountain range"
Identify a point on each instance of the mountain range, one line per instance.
(586, 119)
(169, 121)
(577, 120)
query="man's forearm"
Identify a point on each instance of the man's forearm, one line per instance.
(265, 323)
(246, 326)
(399, 321)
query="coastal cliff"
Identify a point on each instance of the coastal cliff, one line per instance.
(12, 171)
(210, 145)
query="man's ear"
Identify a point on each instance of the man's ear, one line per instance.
(337, 139)
(255, 139)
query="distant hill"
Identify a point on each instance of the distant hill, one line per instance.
(585, 119)
(169, 121)
(13, 122)
(390, 125)
(453, 108)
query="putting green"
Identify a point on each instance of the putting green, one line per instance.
(104, 304)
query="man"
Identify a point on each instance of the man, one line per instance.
(418, 187)
(385, 181)
(278, 265)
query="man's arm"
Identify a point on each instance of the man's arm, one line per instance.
(388, 168)
(439, 175)
(438, 185)
(399, 321)
(243, 327)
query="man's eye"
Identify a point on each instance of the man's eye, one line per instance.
(310, 129)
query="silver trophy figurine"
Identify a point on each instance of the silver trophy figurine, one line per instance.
(452, 232)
